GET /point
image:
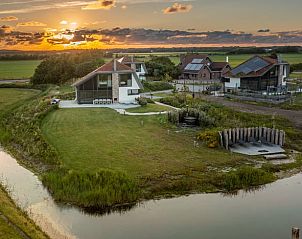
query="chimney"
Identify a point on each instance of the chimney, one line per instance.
(132, 58)
(114, 65)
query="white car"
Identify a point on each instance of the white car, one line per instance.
(55, 101)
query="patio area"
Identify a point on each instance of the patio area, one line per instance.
(254, 150)
(71, 104)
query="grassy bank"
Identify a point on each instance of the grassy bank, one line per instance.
(18, 69)
(22, 224)
(10, 99)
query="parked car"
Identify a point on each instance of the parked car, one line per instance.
(55, 101)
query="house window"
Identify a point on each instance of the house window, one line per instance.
(133, 92)
(125, 80)
(138, 67)
(104, 81)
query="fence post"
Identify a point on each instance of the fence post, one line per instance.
(295, 233)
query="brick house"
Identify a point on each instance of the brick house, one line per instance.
(201, 67)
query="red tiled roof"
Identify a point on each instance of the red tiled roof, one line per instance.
(109, 67)
(218, 66)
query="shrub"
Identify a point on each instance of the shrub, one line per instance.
(142, 101)
(209, 137)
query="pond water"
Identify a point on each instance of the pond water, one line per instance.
(267, 213)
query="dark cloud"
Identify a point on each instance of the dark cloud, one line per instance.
(264, 30)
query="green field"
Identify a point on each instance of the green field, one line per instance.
(9, 98)
(17, 69)
(25, 69)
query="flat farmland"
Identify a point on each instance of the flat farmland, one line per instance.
(18, 69)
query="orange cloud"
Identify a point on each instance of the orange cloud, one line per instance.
(177, 8)
(31, 24)
(100, 4)
(8, 19)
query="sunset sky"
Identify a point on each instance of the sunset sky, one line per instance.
(60, 24)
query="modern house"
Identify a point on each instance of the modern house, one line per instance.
(138, 66)
(201, 67)
(259, 73)
(113, 82)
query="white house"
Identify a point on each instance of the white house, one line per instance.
(113, 82)
(138, 66)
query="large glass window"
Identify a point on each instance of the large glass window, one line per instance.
(138, 67)
(133, 92)
(104, 81)
(125, 80)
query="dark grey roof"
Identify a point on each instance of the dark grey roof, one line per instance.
(253, 65)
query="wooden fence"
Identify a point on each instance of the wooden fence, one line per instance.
(229, 137)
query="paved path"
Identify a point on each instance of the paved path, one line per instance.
(124, 112)
(292, 115)
(70, 104)
(14, 81)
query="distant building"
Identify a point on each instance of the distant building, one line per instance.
(138, 66)
(112, 83)
(259, 73)
(201, 67)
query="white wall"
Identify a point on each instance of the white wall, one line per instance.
(123, 92)
(234, 83)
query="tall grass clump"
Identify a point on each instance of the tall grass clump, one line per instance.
(102, 189)
(247, 177)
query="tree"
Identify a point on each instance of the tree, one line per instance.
(161, 67)
(61, 69)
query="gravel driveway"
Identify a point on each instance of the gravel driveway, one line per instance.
(294, 116)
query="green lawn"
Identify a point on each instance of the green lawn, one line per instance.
(18, 69)
(149, 108)
(92, 139)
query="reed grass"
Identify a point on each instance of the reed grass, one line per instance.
(247, 177)
(100, 189)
